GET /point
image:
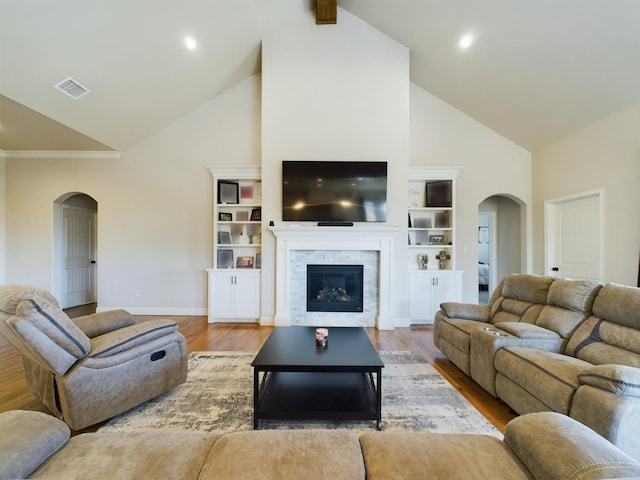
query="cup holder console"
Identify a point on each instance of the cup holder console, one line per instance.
(494, 331)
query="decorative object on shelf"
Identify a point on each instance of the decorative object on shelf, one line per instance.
(423, 222)
(225, 217)
(256, 214)
(258, 263)
(253, 230)
(242, 216)
(228, 192)
(246, 192)
(422, 237)
(423, 261)
(415, 198)
(322, 337)
(438, 193)
(244, 262)
(442, 220)
(236, 233)
(224, 238)
(225, 258)
(443, 256)
(436, 239)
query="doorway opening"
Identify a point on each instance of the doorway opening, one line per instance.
(75, 249)
(501, 236)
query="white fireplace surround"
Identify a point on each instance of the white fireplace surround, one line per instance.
(379, 238)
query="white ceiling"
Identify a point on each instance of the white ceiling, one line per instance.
(538, 69)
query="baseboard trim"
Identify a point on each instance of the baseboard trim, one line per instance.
(172, 311)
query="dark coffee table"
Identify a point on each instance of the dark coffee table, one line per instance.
(301, 381)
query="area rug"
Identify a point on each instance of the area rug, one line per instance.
(218, 397)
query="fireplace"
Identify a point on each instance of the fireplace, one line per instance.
(335, 288)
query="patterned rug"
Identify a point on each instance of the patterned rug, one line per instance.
(218, 396)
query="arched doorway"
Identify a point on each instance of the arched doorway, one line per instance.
(500, 242)
(75, 249)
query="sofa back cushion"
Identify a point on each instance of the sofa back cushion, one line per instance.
(12, 295)
(612, 334)
(569, 303)
(521, 299)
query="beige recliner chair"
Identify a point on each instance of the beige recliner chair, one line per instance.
(91, 368)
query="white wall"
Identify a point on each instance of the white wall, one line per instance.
(334, 92)
(154, 207)
(338, 92)
(604, 155)
(492, 165)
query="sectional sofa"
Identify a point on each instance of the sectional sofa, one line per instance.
(544, 446)
(554, 344)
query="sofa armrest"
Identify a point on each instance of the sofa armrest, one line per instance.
(466, 311)
(618, 379)
(100, 323)
(27, 440)
(527, 331)
(554, 446)
(129, 337)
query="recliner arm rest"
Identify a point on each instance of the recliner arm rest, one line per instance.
(618, 379)
(28, 439)
(129, 337)
(466, 311)
(100, 323)
(527, 330)
(554, 446)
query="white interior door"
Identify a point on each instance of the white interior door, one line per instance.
(79, 264)
(575, 236)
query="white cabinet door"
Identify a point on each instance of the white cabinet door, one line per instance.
(234, 295)
(447, 288)
(420, 297)
(428, 289)
(247, 295)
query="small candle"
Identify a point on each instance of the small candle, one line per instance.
(322, 336)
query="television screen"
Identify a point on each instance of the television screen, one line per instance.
(333, 191)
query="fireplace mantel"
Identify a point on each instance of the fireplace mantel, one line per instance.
(373, 237)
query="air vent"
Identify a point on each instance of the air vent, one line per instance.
(72, 88)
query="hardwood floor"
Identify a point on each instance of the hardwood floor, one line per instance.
(201, 335)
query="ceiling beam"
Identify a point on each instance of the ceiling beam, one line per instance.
(326, 12)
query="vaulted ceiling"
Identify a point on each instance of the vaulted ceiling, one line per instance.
(538, 69)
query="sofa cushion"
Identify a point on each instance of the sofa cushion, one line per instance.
(308, 454)
(422, 455)
(528, 288)
(554, 446)
(576, 295)
(513, 310)
(618, 304)
(527, 331)
(55, 324)
(551, 378)
(27, 440)
(618, 379)
(134, 455)
(600, 341)
(12, 295)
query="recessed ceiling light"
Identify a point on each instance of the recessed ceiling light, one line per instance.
(190, 43)
(466, 41)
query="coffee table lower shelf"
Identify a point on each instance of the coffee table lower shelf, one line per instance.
(317, 396)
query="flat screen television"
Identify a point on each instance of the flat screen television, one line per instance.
(334, 191)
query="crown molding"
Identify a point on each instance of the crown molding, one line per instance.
(98, 154)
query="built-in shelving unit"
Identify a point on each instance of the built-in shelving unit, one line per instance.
(234, 280)
(431, 240)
